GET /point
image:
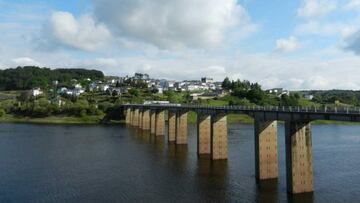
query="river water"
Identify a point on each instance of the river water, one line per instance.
(53, 163)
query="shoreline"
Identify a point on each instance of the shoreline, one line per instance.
(96, 120)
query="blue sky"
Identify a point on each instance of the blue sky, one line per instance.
(297, 44)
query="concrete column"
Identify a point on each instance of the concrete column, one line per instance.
(172, 126)
(146, 119)
(140, 118)
(128, 116)
(136, 117)
(160, 123)
(181, 127)
(152, 121)
(266, 159)
(219, 145)
(203, 134)
(299, 173)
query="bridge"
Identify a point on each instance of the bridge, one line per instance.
(212, 134)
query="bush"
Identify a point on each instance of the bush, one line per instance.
(2, 112)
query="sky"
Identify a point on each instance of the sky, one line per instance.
(297, 44)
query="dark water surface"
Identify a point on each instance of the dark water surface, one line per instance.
(47, 163)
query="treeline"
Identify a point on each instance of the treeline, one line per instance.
(332, 96)
(23, 78)
(247, 93)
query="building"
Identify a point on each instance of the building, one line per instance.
(141, 76)
(308, 96)
(207, 80)
(36, 92)
(278, 92)
(275, 91)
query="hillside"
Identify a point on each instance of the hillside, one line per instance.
(23, 78)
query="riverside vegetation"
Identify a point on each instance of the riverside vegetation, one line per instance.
(92, 107)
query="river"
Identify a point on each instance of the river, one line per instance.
(54, 163)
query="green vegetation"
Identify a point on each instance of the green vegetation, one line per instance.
(18, 105)
(24, 78)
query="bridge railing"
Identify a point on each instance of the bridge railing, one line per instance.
(299, 109)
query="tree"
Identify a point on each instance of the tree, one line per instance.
(226, 84)
(134, 92)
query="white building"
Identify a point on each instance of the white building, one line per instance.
(309, 96)
(36, 92)
(104, 87)
(207, 80)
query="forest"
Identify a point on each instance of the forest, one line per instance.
(28, 77)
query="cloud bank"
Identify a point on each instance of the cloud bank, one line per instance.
(171, 24)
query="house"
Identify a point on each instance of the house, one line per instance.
(140, 76)
(58, 101)
(116, 91)
(207, 80)
(104, 87)
(78, 86)
(278, 91)
(308, 96)
(36, 92)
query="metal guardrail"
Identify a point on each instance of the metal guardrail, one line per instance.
(288, 109)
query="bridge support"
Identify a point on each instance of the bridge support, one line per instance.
(135, 117)
(266, 158)
(181, 127)
(140, 118)
(152, 121)
(128, 116)
(219, 148)
(160, 123)
(172, 126)
(146, 119)
(203, 134)
(299, 173)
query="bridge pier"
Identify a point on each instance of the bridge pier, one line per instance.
(160, 123)
(152, 121)
(299, 173)
(172, 126)
(266, 157)
(181, 127)
(135, 117)
(128, 116)
(219, 145)
(146, 119)
(140, 118)
(203, 134)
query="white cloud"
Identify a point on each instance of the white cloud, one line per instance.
(83, 33)
(287, 45)
(353, 43)
(172, 24)
(316, 8)
(307, 72)
(25, 61)
(352, 5)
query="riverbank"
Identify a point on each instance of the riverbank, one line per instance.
(95, 120)
(61, 120)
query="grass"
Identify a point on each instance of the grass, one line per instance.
(52, 119)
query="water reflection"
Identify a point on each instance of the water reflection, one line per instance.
(87, 164)
(300, 198)
(212, 177)
(267, 190)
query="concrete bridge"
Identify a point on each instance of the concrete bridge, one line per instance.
(212, 134)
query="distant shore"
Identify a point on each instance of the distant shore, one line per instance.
(97, 120)
(60, 120)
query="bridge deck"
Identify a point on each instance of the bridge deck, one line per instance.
(266, 112)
